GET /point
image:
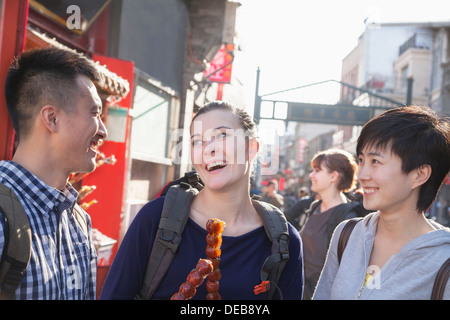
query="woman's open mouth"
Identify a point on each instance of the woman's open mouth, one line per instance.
(216, 165)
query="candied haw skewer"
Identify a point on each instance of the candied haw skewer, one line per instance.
(205, 267)
(195, 278)
(212, 285)
(215, 228)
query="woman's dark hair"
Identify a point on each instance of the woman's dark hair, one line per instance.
(43, 76)
(340, 161)
(419, 137)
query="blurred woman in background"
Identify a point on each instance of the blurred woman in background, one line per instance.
(334, 172)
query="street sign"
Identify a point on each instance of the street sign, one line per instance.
(332, 114)
(343, 114)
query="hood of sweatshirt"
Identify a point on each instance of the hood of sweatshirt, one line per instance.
(415, 265)
(434, 238)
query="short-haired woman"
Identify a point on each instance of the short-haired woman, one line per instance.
(395, 252)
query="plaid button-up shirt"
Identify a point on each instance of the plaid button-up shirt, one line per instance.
(63, 261)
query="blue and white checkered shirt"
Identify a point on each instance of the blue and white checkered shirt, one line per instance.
(63, 263)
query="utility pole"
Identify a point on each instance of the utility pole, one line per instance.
(257, 108)
(409, 90)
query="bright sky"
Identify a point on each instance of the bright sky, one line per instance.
(298, 42)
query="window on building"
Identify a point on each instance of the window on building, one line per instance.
(151, 122)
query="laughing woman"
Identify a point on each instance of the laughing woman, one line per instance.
(224, 146)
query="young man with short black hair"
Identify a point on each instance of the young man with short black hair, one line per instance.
(56, 114)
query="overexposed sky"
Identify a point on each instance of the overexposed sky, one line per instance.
(299, 42)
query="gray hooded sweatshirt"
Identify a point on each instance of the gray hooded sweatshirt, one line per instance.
(409, 274)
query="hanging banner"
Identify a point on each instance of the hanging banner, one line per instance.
(220, 66)
(301, 148)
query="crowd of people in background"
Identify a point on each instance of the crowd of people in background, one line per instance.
(296, 200)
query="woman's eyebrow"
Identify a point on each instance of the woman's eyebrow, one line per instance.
(222, 127)
(214, 129)
(372, 154)
(195, 135)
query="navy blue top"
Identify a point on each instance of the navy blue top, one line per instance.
(240, 263)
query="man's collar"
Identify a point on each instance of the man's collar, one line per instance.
(43, 196)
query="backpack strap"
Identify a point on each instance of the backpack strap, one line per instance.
(441, 281)
(345, 235)
(190, 177)
(308, 212)
(175, 213)
(17, 248)
(340, 214)
(276, 227)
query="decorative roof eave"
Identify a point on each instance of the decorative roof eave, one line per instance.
(110, 82)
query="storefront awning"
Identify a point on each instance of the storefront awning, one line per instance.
(110, 83)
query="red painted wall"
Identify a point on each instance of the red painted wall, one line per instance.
(12, 40)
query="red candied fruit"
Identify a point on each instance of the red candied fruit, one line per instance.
(187, 290)
(215, 226)
(213, 240)
(177, 296)
(213, 296)
(215, 262)
(215, 275)
(213, 253)
(195, 278)
(204, 266)
(212, 286)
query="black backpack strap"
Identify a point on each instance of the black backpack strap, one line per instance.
(276, 227)
(176, 208)
(340, 214)
(345, 235)
(17, 248)
(441, 281)
(308, 212)
(191, 177)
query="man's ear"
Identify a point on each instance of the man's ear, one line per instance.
(48, 118)
(253, 148)
(422, 174)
